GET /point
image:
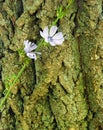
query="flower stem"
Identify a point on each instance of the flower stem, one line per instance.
(12, 85)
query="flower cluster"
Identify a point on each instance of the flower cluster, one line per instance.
(49, 36)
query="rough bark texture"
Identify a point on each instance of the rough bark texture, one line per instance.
(63, 89)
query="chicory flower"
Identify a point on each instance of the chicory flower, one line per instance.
(51, 36)
(29, 49)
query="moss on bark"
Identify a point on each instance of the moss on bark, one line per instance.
(61, 90)
(90, 43)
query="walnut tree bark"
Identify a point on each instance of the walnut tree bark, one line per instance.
(63, 88)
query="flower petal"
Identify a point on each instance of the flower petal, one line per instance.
(32, 55)
(53, 30)
(26, 42)
(29, 46)
(58, 36)
(58, 41)
(26, 49)
(33, 46)
(52, 43)
(45, 31)
(42, 34)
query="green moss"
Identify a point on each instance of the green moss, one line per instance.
(68, 77)
(89, 42)
(32, 6)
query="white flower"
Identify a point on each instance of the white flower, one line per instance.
(29, 49)
(51, 36)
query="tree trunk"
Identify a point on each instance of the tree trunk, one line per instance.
(63, 88)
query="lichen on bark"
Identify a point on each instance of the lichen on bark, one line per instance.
(63, 88)
(90, 43)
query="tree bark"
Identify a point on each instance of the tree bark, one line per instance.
(63, 88)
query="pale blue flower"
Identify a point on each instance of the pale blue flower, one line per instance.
(29, 49)
(51, 36)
